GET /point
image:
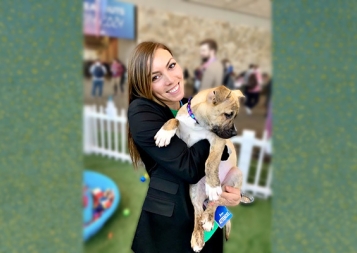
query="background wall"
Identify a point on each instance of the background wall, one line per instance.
(315, 161)
(204, 11)
(242, 44)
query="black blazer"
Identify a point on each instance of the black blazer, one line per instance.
(167, 217)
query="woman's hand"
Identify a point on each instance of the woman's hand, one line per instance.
(231, 196)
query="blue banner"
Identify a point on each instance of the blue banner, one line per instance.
(117, 19)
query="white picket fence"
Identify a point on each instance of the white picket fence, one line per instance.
(101, 133)
(106, 134)
(247, 142)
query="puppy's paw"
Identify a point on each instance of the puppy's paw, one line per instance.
(197, 241)
(197, 248)
(163, 137)
(207, 221)
(213, 193)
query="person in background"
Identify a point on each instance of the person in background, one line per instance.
(268, 87)
(98, 72)
(239, 81)
(197, 80)
(228, 75)
(248, 72)
(211, 68)
(253, 88)
(117, 70)
(186, 74)
(123, 78)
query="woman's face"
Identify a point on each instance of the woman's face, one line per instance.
(167, 78)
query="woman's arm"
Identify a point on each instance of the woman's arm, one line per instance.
(187, 163)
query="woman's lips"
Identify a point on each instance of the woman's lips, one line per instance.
(174, 89)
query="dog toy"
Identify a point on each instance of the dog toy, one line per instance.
(146, 176)
(109, 194)
(126, 212)
(143, 179)
(106, 203)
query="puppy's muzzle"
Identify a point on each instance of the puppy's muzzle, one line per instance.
(224, 132)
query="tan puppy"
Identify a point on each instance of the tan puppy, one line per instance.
(209, 115)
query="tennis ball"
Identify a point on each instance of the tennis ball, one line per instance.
(146, 176)
(126, 212)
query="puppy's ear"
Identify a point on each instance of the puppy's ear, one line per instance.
(218, 95)
(239, 94)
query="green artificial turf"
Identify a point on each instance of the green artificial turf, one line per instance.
(250, 224)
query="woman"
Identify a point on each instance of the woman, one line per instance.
(117, 70)
(253, 88)
(156, 91)
(228, 75)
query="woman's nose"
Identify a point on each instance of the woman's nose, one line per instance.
(169, 79)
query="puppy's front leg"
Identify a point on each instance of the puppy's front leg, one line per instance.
(166, 132)
(213, 185)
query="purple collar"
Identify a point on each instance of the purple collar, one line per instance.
(190, 111)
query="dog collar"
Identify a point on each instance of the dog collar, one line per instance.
(190, 111)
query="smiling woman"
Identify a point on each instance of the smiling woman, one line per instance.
(156, 91)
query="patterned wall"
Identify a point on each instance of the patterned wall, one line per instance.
(315, 162)
(40, 117)
(241, 44)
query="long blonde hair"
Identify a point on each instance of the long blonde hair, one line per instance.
(139, 82)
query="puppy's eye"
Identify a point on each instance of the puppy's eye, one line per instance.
(228, 115)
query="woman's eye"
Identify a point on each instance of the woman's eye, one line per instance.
(154, 78)
(228, 115)
(172, 65)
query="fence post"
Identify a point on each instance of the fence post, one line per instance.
(245, 154)
(87, 144)
(94, 127)
(101, 127)
(260, 162)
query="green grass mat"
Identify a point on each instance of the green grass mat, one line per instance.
(250, 224)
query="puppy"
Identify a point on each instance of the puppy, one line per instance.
(208, 115)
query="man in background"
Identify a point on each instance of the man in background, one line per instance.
(98, 72)
(211, 68)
